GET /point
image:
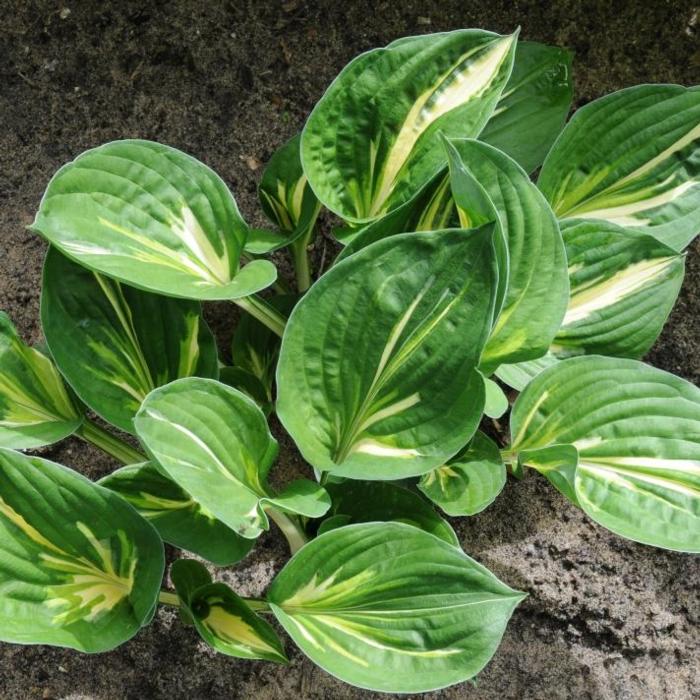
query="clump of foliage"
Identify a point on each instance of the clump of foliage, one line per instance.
(458, 276)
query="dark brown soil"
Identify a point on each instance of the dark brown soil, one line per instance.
(228, 82)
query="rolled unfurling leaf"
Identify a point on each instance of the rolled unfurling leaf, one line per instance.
(153, 217)
(377, 375)
(78, 566)
(114, 343)
(631, 158)
(389, 607)
(372, 141)
(35, 407)
(627, 439)
(179, 519)
(214, 442)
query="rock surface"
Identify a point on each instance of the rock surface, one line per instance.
(228, 82)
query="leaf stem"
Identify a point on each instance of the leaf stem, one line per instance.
(290, 527)
(265, 313)
(111, 444)
(169, 598)
(166, 597)
(300, 256)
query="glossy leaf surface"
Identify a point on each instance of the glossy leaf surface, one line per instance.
(372, 141)
(636, 433)
(415, 310)
(631, 158)
(114, 343)
(35, 407)
(153, 217)
(389, 607)
(79, 567)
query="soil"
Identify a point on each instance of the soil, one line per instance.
(229, 82)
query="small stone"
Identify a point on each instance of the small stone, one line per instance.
(64, 13)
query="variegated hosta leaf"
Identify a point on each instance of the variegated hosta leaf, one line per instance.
(370, 501)
(376, 377)
(78, 566)
(636, 433)
(389, 607)
(431, 209)
(373, 139)
(179, 519)
(534, 104)
(631, 158)
(519, 375)
(286, 197)
(469, 482)
(153, 217)
(35, 407)
(623, 287)
(249, 384)
(115, 343)
(224, 620)
(214, 442)
(536, 285)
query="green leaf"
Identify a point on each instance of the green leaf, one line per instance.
(153, 217)
(623, 287)
(520, 374)
(389, 607)
(79, 567)
(286, 197)
(557, 463)
(255, 347)
(222, 618)
(496, 401)
(636, 433)
(35, 407)
(249, 384)
(534, 104)
(370, 501)
(469, 482)
(179, 519)
(631, 158)
(535, 277)
(214, 442)
(372, 141)
(376, 376)
(114, 343)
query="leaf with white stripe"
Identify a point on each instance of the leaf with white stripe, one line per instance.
(114, 343)
(153, 217)
(623, 287)
(534, 278)
(79, 567)
(636, 433)
(520, 374)
(389, 607)
(631, 158)
(470, 481)
(35, 406)
(376, 377)
(372, 141)
(179, 519)
(214, 442)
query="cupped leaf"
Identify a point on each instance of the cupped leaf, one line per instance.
(534, 104)
(285, 194)
(376, 376)
(635, 432)
(179, 519)
(214, 442)
(35, 407)
(370, 501)
(623, 287)
(153, 217)
(78, 566)
(372, 141)
(496, 403)
(631, 158)
(520, 374)
(115, 343)
(223, 619)
(389, 607)
(469, 482)
(536, 285)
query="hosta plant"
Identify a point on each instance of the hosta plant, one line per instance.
(462, 290)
